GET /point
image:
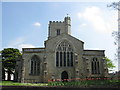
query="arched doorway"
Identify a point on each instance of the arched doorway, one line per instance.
(64, 75)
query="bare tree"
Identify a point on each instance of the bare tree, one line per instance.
(116, 34)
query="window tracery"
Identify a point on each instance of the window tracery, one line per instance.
(64, 55)
(95, 66)
(35, 65)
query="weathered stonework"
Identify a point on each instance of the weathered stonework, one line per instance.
(82, 59)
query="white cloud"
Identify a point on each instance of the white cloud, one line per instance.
(83, 24)
(19, 44)
(96, 17)
(37, 24)
(25, 46)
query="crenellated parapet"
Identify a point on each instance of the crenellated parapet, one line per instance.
(58, 27)
(50, 22)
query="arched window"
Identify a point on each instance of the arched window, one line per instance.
(64, 55)
(35, 65)
(95, 66)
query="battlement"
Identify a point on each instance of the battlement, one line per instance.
(58, 27)
(66, 20)
(50, 22)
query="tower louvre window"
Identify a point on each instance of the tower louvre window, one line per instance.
(64, 55)
(58, 31)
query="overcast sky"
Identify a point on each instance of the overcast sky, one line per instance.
(25, 24)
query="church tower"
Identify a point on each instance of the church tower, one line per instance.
(68, 25)
(58, 27)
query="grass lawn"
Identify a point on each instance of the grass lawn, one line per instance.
(11, 83)
(72, 83)
(87, 83)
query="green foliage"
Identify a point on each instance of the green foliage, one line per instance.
(110, 64)
(9, 56)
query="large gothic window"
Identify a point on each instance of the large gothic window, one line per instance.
(95, 66)
(35, 65)
(64, 55)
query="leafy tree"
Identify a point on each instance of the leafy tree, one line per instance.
(110, 64)
(9, 56)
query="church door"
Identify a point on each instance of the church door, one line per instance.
(64, 76)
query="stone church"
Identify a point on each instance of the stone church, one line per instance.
(63, 57)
